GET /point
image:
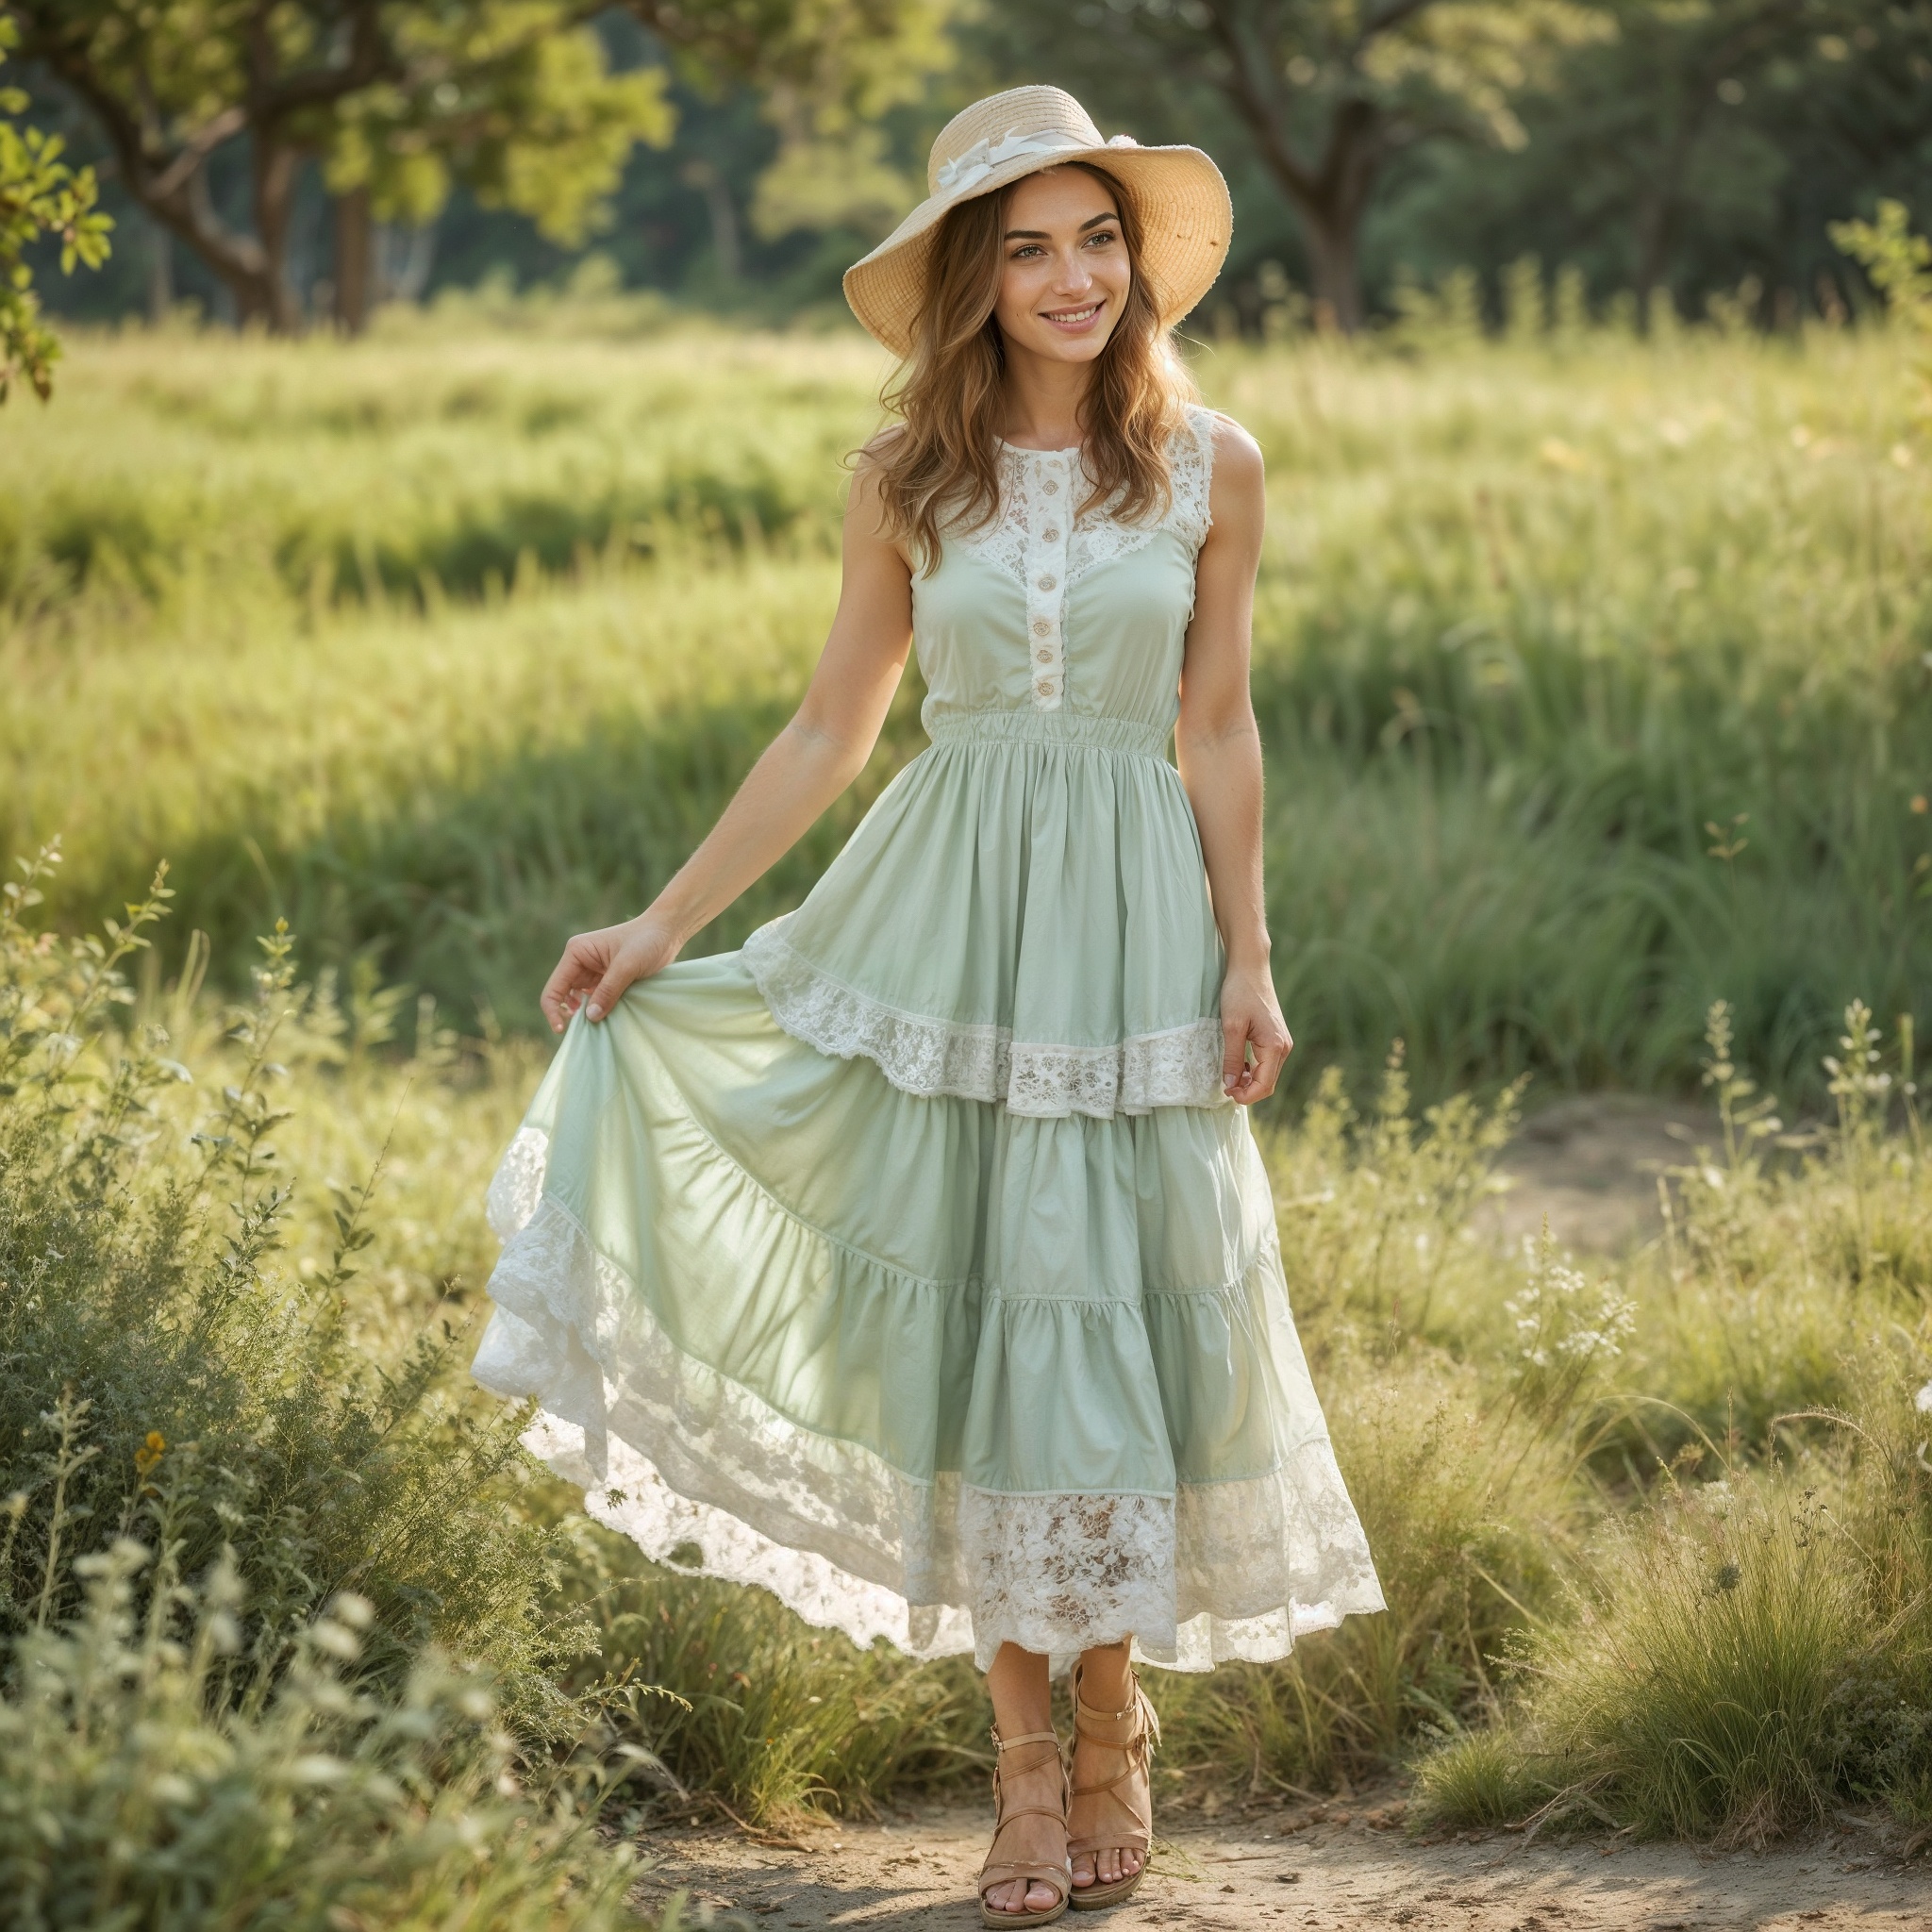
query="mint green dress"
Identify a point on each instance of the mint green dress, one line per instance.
(910, 1262)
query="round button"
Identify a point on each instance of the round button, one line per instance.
(1044, 687)
(1042, 627)
(1051, 535)
(1049, 583)
(1045, 657)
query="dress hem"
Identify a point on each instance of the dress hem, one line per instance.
(678, 1454)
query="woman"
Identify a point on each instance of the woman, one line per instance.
(917, 1261)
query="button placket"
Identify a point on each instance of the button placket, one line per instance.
(1047, 521)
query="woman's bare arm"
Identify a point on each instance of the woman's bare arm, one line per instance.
(1219, 749)
(818, 753)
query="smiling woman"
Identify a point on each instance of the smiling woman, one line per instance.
(1055, 275)
(917, 1260)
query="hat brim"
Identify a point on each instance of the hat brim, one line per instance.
(1185, 213)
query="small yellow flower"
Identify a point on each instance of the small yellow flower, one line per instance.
(150, 1451)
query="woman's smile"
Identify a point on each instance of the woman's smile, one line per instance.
(1074, 321)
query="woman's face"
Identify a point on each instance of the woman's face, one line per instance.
(1066, 275)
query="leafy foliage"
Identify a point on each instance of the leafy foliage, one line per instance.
(518, 101)
(135, 1794)
(39, 194)
(513, 95)
(159, 1377)
(1899, 261)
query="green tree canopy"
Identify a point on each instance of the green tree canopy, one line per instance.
(39, 194)
(1327, 92)
(513, 95)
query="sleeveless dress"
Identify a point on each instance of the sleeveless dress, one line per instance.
(910, 1262)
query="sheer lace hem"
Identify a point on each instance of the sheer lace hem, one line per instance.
(704, 1475)
(1179, 1066)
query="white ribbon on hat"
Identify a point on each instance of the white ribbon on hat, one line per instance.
(970, 169)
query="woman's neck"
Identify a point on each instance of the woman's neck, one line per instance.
(1042, 400)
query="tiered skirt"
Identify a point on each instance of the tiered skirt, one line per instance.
(910, 1262)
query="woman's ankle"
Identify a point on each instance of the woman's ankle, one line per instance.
(1106, 1678)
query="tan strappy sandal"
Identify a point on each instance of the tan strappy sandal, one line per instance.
(1137, 1834)
(1059, 1876)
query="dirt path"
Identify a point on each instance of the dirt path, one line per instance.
(1590, 1162)
(1333, 1871)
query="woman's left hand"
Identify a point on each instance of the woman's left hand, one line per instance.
(1251, 1018)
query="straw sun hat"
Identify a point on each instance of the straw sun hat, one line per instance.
(1186, 217)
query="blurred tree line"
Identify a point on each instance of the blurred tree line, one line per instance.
(295, 161)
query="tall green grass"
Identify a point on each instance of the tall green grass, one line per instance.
(1593, 675)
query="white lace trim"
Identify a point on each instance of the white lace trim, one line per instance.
(698, 1471)
(1179, 1066)
(1042, 535)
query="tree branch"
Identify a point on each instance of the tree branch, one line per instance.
(195, 149)
(1266, 114)
(163, 188)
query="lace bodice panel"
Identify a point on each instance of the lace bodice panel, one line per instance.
(1050, 605)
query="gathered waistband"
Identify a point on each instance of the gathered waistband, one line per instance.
(1025, 725)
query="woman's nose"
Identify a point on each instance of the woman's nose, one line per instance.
(1073, 276)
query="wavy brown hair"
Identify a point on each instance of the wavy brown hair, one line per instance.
(940, 465)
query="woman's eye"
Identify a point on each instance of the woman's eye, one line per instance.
(1102, 238)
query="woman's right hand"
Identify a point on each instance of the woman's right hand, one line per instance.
(597, 967)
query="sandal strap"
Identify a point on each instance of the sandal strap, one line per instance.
(1100, 1790)
(1000, 1743)
(1060, 1877)
(1006, 1818)
(1137, 1838)
(1136, 1748)
(1003, 1816)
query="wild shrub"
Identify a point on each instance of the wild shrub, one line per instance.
(135, 1794)
(1746, 1641)
(1689, 1695)
(159, 1362)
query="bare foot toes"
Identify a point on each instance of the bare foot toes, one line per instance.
(1018, 1895)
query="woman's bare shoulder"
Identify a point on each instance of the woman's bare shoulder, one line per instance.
(1236, 455)
(877, 448)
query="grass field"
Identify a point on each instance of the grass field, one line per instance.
(440, 647)
(444, 647)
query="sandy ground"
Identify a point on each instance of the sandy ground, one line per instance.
(1592, 1163)
(1337, 1869)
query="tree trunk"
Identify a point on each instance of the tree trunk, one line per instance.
(1330, 201)
(1333, 241)
(269, 297)
(725, 247)
(725, 238)
(353, 249)
(160, 273)
(1653, 224)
